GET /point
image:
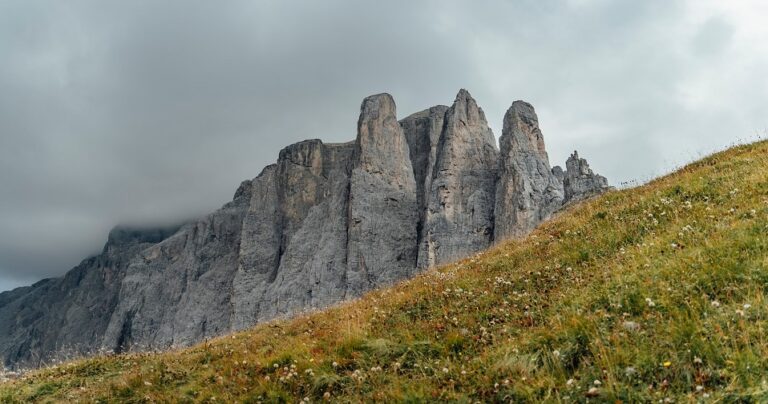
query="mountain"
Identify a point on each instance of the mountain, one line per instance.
(326, 223)
(651, 294)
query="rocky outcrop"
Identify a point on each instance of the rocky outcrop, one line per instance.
(460, 199)
(325, 223)
(579, 181)
(383, 207)
(528, 191)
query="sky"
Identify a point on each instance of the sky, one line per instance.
(143, 112)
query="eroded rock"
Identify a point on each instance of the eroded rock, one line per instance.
(325, 223)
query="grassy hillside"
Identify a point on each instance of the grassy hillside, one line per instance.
(647, 294)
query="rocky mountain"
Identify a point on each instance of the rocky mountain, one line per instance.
(326, 223)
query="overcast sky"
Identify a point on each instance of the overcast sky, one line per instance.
(152, 111)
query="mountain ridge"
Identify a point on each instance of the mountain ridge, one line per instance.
(327, 222)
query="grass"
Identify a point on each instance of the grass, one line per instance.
(647, 294)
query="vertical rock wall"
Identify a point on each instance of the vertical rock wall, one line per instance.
(528, 192)
(383, 213)
(458, 217)
(325, 223)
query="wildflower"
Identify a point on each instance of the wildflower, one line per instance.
(556, 353)
(747, 306)
(597, 382)
(629, 371)
(699, 388)
(327, 395)
(593, 392)
(715, 303)
(445, 370)
(569, 382)
(697, 360)
(650, 302)
(334, 364)
(667, 364)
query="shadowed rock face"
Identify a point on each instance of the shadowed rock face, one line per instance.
(66, 317)
(422, 131)
(325, 223)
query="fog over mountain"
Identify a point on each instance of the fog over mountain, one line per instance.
(150, 113)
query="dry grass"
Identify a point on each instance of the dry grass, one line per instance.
(653, 293)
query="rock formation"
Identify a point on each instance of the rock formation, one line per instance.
(381, 245)
(459, 203)
(528, 191)
(579, 181)
(325, 223)
(66, 317)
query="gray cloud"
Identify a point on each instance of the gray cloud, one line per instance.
(144, 111)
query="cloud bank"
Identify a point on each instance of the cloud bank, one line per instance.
(151, 112)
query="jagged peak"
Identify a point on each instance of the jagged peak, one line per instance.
(525, 112)
(467, 120)
(465, 108)
(580, 181)
(377, 104)
(577, 164)
(463, 94)
(521, 130)
(375, 111)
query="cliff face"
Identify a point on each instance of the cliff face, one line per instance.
(459, 201)
(67, 317)
(528, 191)
(325, 223)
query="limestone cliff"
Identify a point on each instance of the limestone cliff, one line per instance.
(458, 217)
(325, 223)
(528, 191)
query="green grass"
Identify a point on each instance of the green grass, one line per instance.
(647, 294)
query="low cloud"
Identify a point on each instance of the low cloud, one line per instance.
(144, 112)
